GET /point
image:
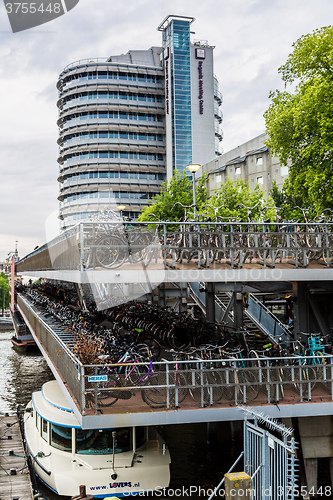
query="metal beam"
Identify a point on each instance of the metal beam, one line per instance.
(175, 416)
(210, 302)
(322, 326)
(155, 277)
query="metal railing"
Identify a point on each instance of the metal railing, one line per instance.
(206, 383)
(266, 319)
(63, 359)
(112, 244)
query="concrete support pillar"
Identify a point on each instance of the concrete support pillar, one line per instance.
(238, 310)
(183, 297)
(316, 439)
(210, 302)
(311, 473)
(301, 307)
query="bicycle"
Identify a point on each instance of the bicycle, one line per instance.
(165, 388)
(119, 378)
(109, 242)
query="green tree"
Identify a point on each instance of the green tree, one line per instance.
(287, 201)
(179, 189)
(300, 123)
(234, 199)
(4, 292)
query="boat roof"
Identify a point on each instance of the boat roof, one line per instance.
(52, 405)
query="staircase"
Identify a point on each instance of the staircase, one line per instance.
(257, 318)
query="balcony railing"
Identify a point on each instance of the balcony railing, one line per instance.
(112, 244)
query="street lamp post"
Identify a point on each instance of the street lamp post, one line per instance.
(193, 168)
(121, 208)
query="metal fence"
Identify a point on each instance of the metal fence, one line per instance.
(110, 245)
(55, 348)
(270, 460)
(206, 384)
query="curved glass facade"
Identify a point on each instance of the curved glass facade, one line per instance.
(127, 122)
(111, 137)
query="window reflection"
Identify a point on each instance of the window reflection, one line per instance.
(100, 441)
(61, 437)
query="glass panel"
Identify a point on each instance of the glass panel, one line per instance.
(45, 432)
(61, 437)
(100, 441)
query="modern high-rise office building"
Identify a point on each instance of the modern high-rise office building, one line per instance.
(127, 122)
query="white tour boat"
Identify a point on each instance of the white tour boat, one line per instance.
(109, 462)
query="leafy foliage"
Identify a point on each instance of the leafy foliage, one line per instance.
(300, 124)
(287, 202)
(178, 190)
(239, 201)
(4, 291)
(232, 200)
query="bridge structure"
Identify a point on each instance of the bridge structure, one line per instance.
(192, 263)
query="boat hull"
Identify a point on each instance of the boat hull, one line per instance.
(23, 346)
(139, 467)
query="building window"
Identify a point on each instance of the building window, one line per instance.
(260, 160)
(218, 179)
(284, 170)
(237, 171)
(260, 180)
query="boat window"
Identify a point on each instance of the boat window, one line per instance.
(61, 437)
(140, 436)
(37, 420)
(100, 441)
(45, 430)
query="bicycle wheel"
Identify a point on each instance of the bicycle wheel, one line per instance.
(153, 393)
(134, 374)
(306, 376)
(179, 339)
(154, 347)
(138, 242)
(248, 382)
(108, 393)
(277, 379)
(148, 349)
(318, 364)
(111, 252)
(215, 381)
(104, 398)
(227, 382)
(198, 389)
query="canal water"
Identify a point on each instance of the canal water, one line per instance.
(195, 463)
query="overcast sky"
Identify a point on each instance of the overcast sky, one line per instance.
(252, 38)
